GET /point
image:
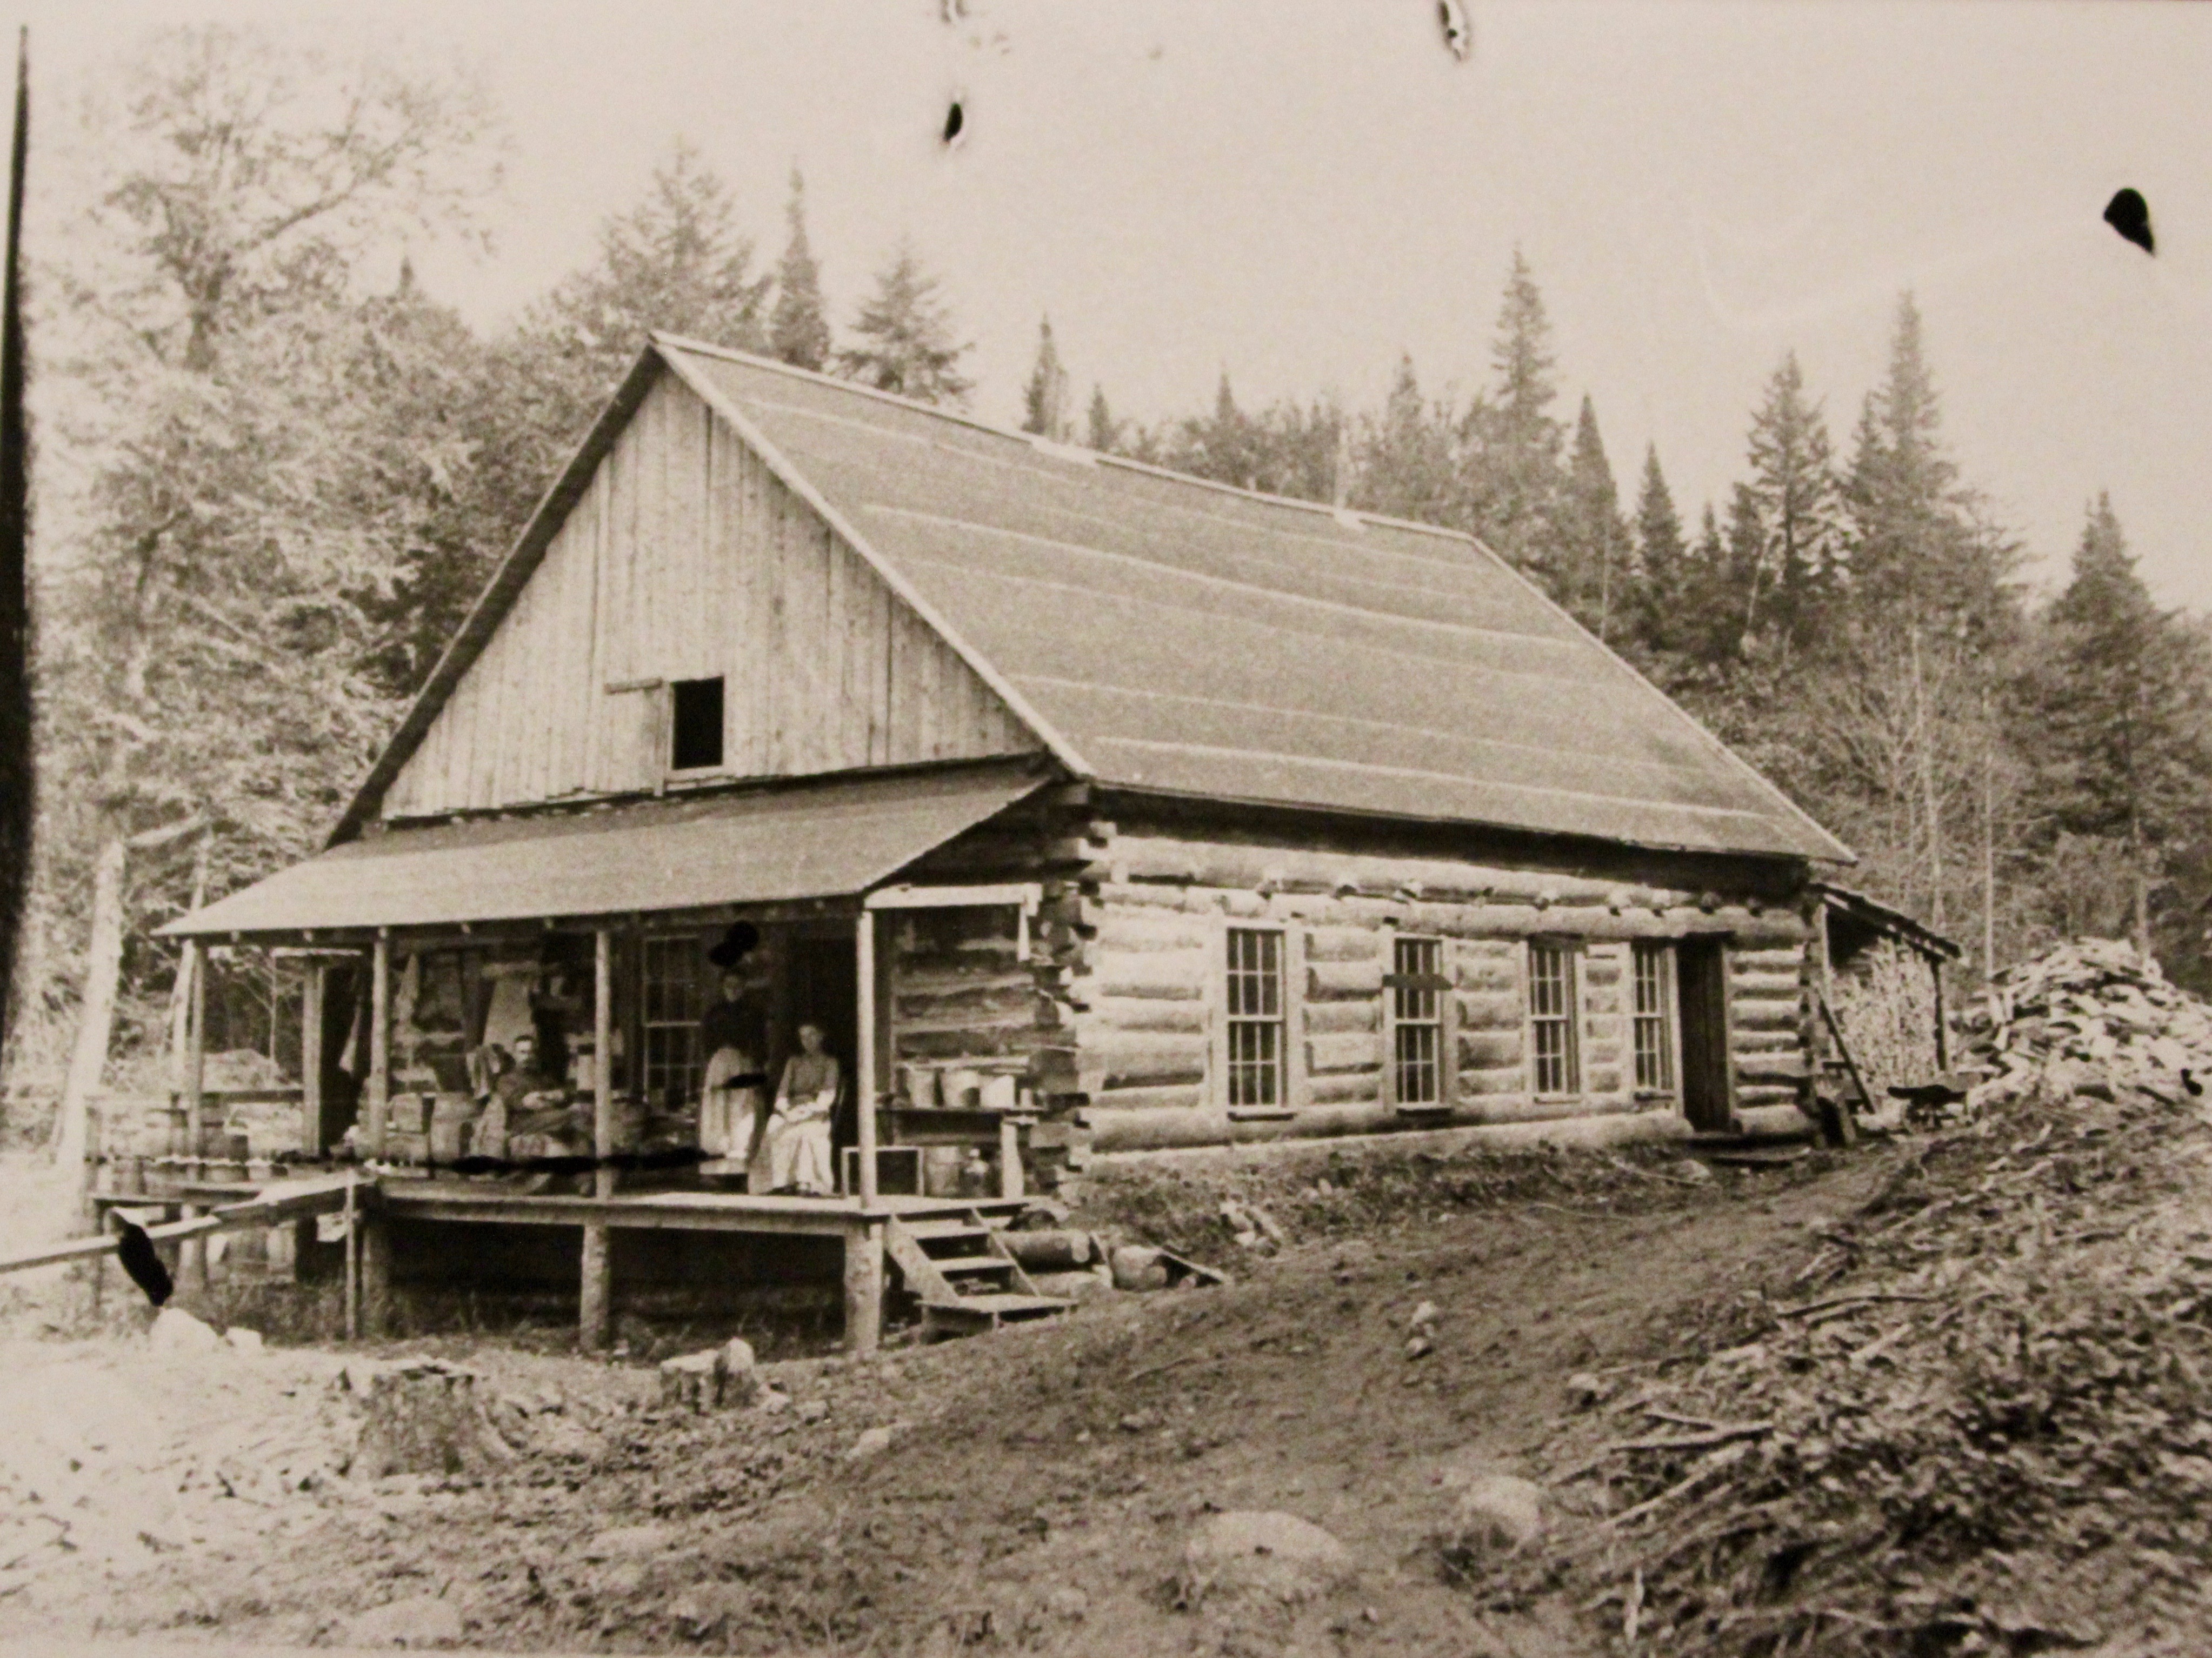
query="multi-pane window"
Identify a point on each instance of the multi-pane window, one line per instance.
(1417, 1021)
(1256, 1016)
(1552, 1017)
(672, 993)
(1653, 1018)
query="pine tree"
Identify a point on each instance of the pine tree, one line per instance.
(2118, 708)
(1105, 432)
(1044, 399)
(1511, 441)
(1921, 554)
(1221, 446)
(1794, 493)
(1662, 560)
(798, 330)
(903, 336)
(1404, 465)
(1593, 537)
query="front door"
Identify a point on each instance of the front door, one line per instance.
(1708, 1079)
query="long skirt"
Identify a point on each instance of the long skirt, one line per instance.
(728, 1117)
(798, 1153)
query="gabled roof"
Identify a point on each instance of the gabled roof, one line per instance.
(1164, 634)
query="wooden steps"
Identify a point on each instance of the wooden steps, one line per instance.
(964, 1275)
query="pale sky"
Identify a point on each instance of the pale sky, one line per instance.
(1298, 189)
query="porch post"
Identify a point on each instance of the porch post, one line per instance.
(380, 1044)
(596, 1293)
(1942, 1016)
(196, 1060)
(864, 1286)
(310, 1058)
(864, 1083)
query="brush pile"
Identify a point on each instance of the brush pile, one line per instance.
(1979, 1418)
(2094, 1003)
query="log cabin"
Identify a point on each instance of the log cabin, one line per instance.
(1090, 810)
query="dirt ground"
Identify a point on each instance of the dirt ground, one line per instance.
(1037, 1494)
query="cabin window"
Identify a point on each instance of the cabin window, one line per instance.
(671, 1004)
(1256, 1016)
(696, 724)
(1655, 1018)
(1416, 1044)
(1552, 1017)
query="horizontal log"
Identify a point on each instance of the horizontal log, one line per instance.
(1345, 943)
(1327, 1018)
(1173, 974)
(946, 1045)
(1138, 931)
(1765, 984)
(1768, 1042)
(1600, 972)
(1330, 980)
(1490, 1011)
(936, 976)
(1770, 1067)
(1604, 1003)
(1767, 961)
(1350, 1050)
(1119, 1127)
(1523, 1107)
(1187, 1096)
(1760, 1014)
(1602, 1079)
(1345, 1088)
(995, 1000)
(1143, 1058)
(1149, 1014)
(1050, 1251)
(1483, 1050)
(1497, 1079)
(1764, 1094)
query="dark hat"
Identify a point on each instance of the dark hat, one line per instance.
(739, 942)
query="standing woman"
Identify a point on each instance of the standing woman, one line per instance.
(734, 1035)
(799, 1128)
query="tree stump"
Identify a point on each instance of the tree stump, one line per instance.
(424, 1417)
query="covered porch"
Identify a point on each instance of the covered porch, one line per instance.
(428, 953)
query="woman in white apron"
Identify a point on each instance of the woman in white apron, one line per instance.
(734, 1035)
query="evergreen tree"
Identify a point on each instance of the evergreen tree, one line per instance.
(797, 329)
(2117, 705)
(1511, 441)
(1794, 495)
(676, 262)
(904, 337)
(1044, 399)
(1222, 446)
(1105, 432)
(1920, 553)
(1593, 537)
(1662, 560)
(1404, 465)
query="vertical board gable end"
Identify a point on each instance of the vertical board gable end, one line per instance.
(801, 486)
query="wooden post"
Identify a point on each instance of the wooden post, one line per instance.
(1942, 1016)
(595, 1297)
(196, 1064)
(311, 1059)
(375, 1260)
(1009, 1159)
(379, 1046)
(863, 1286)
(865, 1083)
(352, 1265)
(191, 1253)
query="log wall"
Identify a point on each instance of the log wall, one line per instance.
(684, 558)
(1145, 998)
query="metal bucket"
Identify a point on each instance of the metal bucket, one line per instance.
(940, 1170)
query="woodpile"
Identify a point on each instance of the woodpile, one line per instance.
(2094, 1005)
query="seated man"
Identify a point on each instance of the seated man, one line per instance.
(529, 1113)
(798, 1137)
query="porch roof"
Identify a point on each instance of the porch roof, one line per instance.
(762, 845)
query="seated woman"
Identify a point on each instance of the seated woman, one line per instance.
(798, 1136)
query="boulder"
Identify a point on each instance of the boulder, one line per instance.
(245, 1341)
(869, 1443)
(631, 1543)
(736, 1355)
(1138, 1266)
(420, 1620)
(176, 1331)
(1267, 1555)
(692, 1382)
(1495, 1513)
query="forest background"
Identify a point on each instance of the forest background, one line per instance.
(268, 485)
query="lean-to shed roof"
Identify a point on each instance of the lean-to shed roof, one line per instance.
(1168, 634)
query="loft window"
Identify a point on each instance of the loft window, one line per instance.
(1256, 1016)
(1417, 1021)
(696, 724)
(1552, 1017)
(1655, 1018)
